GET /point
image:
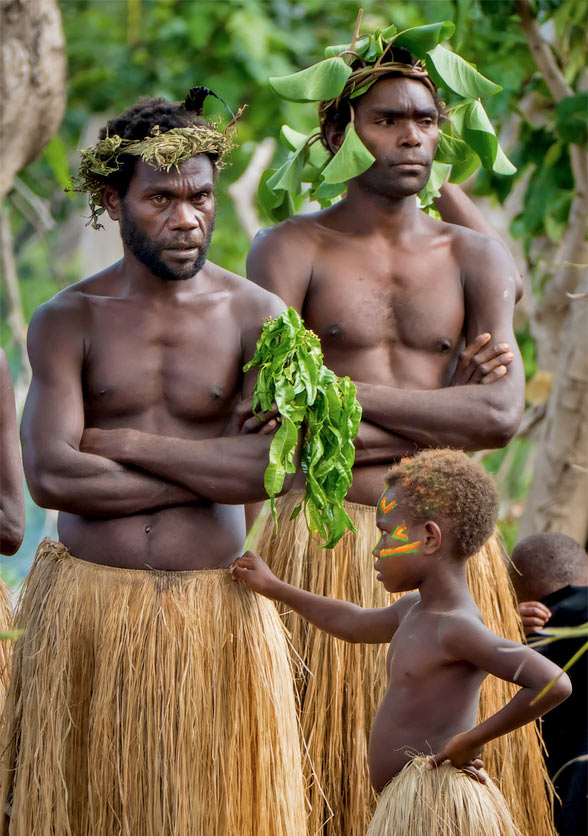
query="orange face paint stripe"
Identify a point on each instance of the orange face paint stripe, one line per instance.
(406, 549)
(387, 506)
(400, 533)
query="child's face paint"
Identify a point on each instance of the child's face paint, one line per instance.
(408, 548)
(387, 506)
(393, 531)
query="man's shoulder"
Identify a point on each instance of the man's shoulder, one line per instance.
(249, 299)
(294, 231)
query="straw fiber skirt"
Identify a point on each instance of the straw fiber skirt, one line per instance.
(343, 684)
(440, 802)
(149, 703)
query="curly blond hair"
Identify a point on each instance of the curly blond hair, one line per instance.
(448, 484)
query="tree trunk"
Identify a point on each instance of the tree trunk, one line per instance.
(32, 82)
(558, 497)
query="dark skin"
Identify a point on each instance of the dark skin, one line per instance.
(137, 362)
(394, 296)
(440, 651)
(12, 507)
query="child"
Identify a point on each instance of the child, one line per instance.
(437, 510)
(549, 572)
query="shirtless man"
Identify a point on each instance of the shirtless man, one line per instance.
(169, 694)
(12, 508)
(393, 294)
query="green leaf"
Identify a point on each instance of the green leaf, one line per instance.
(464, 169)
(268, 197)
(328, 191)
(502, 165)
(420, 39)
(322, 81)
(451, 149)
(292, 139)
(439, 174)
(289, 174)
(280, 457)
(351, 160)
(450, 71)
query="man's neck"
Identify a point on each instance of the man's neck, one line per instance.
(366, 210)
(140, 281)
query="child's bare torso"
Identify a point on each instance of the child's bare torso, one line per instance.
(430, 697)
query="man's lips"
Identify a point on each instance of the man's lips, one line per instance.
(182, 252)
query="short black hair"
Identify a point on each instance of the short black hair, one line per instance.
(137, 122)
(449, 485)
(549, 557)
(338, 114)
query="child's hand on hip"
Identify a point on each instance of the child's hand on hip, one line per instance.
(463, 756)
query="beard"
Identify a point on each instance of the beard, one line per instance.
(149, 252)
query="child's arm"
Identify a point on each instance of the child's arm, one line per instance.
(471, 641)
(339, 618)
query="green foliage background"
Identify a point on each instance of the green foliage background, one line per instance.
(119, 50)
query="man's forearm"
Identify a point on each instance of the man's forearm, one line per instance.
(93, 486)
(375, 445)
(227, 469)
(469, 417)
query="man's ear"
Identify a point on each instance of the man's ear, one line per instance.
(334, 136)
(433, 538)
(111, 202)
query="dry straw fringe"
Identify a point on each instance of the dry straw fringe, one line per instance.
(440, 802)
(149, 704)
(5, 646)
(338, 700)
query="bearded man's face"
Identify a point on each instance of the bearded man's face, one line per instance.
(167, 218)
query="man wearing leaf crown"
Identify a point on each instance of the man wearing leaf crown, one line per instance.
(151, 695)
(393, 294)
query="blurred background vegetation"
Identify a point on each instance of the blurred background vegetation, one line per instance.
(118, 50)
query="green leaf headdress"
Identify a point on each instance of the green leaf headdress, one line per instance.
(466, 137)
(160, 150)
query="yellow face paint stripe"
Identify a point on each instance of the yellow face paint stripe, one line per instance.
(387, 506)
(406, 549)
(400, 533)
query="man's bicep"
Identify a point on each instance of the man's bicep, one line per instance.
(490, 292)
(54, 410)
(277, 262)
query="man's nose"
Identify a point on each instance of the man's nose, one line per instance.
(410, 136)
(183, 216)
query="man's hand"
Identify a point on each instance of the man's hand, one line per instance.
(110, 444)
(244, 422)
(534, 615)
(256, 574)
(482, 362)
(463, 756)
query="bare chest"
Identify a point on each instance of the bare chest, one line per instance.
(361, 297)
(158, 364)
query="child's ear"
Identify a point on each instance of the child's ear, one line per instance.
(433, 537)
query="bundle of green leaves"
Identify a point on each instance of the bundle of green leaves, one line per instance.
(311, 398)
(466, 141)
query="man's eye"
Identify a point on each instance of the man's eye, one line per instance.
(202, 197)
(427, 123)
(159, 199)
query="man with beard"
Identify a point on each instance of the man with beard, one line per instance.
(393, 293)
(149, 695)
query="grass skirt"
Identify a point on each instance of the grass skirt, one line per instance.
(344, 683)
(440, 802)
(149, 703)
(5, 646)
